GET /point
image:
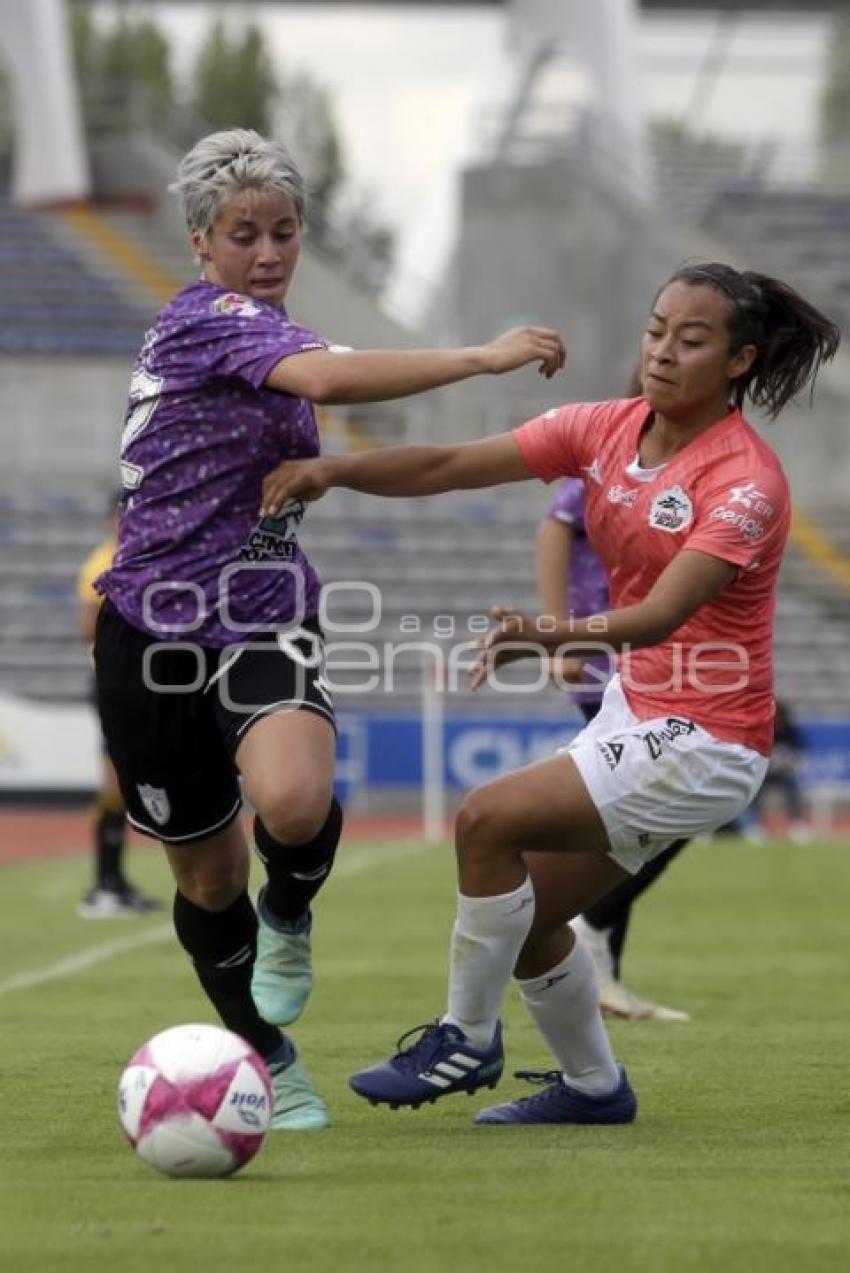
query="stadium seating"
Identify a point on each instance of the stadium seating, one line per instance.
(435, 562)
(799, 233)
(51, 301)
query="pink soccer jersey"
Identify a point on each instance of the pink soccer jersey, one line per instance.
(724, 494)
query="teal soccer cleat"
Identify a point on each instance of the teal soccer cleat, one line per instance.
(298, 1107)
(283, 970)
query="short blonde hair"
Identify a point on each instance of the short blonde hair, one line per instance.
(224, 164)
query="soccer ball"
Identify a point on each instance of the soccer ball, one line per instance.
(195, 1100)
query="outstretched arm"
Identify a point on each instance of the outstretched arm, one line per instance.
(690, 581)
(375, 375)
(555, 541)
(554, 548)
(398, 470)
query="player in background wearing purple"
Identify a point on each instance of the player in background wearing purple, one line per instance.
(571, 583)
(208, 651)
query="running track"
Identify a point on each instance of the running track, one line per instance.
(28, 834)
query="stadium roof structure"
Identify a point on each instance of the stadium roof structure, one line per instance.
(658, 6)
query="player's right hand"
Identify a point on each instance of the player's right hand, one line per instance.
(511, 636)
(294, 479)
(522, 345)
(566, 671)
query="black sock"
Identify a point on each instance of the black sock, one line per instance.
(110, 830)
(222, 946)
(297, 871)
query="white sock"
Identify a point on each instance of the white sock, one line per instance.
(565, 1006)
(595, 940)
(488, 935)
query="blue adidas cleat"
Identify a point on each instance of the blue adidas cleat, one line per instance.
(558, 1103)
(283, 969)
(440, 1062)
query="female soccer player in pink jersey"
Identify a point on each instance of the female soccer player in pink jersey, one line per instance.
(689, 510)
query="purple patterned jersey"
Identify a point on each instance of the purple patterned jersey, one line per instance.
(587, 592)
(194, 560)
(588, 585)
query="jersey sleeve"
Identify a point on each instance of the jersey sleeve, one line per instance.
(559, 442)
(568, 504)
(741, 522)
(248, 344)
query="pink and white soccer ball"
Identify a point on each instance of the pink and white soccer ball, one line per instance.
(195, 1100)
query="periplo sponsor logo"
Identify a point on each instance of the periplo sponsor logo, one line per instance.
(748, 527)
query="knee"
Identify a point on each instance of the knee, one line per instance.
(294, 817)
(474, 827)
(213, 888)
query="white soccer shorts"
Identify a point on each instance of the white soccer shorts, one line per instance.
(656, 781)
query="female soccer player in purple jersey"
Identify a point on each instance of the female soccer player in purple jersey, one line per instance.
(208, 651)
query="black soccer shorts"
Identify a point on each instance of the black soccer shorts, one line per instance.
(174, 713)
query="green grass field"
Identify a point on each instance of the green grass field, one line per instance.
(738, 1161)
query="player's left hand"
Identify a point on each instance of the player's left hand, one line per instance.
(521, 345)
(514, 635)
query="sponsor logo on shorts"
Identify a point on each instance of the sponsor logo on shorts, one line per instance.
(612, 753)
(671, 510)
(155, 800)
(675, 727)
(643, 839)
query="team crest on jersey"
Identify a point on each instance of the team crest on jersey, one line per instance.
(671, 510)
(155, 800)
(233, 303)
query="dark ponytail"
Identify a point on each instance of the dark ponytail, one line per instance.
(791, 336)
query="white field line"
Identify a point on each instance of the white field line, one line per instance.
(352, 863)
